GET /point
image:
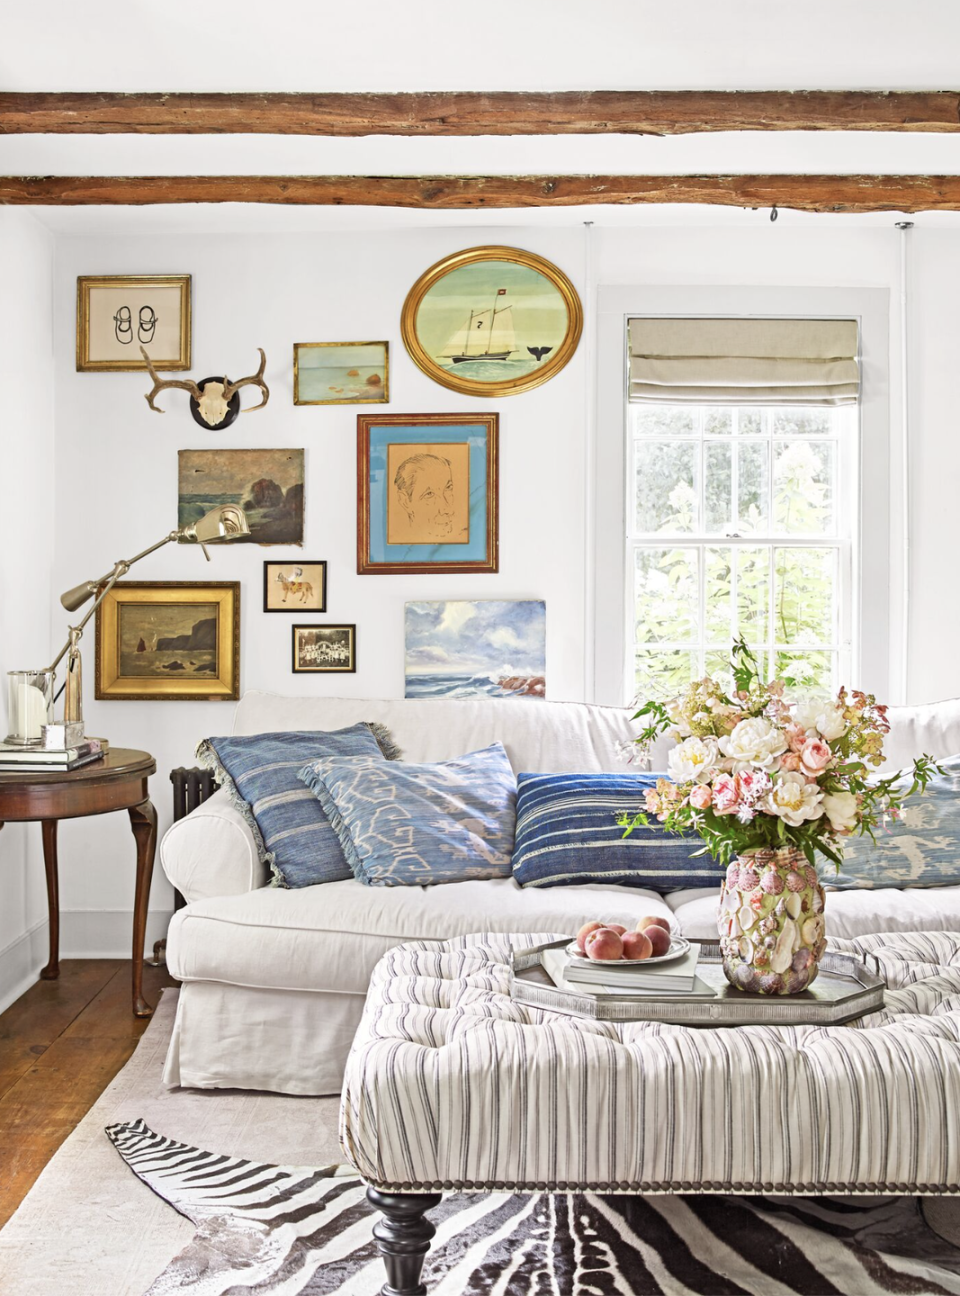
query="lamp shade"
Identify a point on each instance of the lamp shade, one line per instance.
(225, 522)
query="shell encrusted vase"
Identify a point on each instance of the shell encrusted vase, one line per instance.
(771, 922)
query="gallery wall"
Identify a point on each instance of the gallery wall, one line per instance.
(115, 483)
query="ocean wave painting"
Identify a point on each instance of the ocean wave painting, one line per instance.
(476, 648)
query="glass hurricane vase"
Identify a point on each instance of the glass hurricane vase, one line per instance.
(771, 922)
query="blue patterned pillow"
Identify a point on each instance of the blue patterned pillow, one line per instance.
(923, 849)
(292, 833)
(568, 835)
(418, 825)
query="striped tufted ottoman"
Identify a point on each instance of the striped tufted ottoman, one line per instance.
(452, 1085)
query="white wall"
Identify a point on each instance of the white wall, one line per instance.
(116, 463)
(26, 553)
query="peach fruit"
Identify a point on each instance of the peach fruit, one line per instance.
(638, 945)
(585, 931)
(617, 927)
(644, 923)
(658, 938)
(603, 945)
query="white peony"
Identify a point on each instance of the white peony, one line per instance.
(757, 742)
(793, 799)
(674, 710)
(842, 810)
(822, 715)
(693, 760)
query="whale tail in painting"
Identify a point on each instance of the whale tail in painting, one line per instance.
(538, 352)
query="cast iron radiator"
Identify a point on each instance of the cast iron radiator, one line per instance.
(191, 787)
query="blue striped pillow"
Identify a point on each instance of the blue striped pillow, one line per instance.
(568, 835)
(292, 832)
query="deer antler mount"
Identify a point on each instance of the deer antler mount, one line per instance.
(214, 402)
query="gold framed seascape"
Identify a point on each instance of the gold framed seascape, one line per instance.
(341, 373)
(492, 321)
(169, 641)
(119, 314)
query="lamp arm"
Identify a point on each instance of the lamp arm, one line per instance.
(103, 587)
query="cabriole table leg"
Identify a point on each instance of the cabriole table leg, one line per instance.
(143, 821)
(403, 1238)
(48, 828)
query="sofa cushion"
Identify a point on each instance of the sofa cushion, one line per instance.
(329, 938)
(921, 849)
(848, 914)
(568, 833)
(406, 824)
(292, 832)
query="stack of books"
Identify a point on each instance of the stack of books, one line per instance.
(678, 977)
(16, 759)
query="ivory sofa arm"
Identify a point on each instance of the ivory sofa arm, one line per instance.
(212, 852)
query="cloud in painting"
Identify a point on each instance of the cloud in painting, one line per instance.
(482, 641)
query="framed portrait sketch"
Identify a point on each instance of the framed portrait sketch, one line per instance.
(328, 649)
(169, 641)
(340, 373)
(299, 586)
(427, 493)
(492, 321)
(119, 314)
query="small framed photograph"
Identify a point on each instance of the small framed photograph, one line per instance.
(119, 314)
(299, 586)
(340, 373)
(330, 650)
(169, 641)
(427, 493)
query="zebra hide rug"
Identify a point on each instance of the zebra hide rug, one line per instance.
(294, 1229)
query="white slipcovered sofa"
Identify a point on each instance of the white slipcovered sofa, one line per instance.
(274, 980)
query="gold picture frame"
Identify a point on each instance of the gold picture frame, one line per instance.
(357, 357)
(136, 322)
(530, 347)
(154, 643)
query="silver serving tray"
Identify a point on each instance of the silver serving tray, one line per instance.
(845, 989)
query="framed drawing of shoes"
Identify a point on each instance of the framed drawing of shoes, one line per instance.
(118, 314)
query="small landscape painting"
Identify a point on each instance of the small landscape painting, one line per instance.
(158, 640)
(169, 641)
(324, 649)
(267, 485)
(295, 587)
(483, 648)
(340, 373)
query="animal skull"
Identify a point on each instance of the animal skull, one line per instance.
(213, 399)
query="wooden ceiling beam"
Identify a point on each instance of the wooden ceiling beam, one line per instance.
(815, 193)
(568, 112)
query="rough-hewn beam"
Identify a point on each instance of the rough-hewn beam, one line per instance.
(569, 112)
(822, 193)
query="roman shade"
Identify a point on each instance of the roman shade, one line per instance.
(744, 361)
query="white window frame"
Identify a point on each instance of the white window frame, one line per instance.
(868, 630)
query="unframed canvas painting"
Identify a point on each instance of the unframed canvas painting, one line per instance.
(483, 648)
(267, 484)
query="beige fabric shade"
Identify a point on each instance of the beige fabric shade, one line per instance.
(744, 361)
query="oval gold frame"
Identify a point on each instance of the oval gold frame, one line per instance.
(472, 386)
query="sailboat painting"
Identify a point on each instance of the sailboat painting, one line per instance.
(492, 321)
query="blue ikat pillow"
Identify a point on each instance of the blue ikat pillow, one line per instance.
(292, 832)
(418, 825)
(568, 835)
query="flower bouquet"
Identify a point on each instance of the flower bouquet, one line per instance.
(768, 782)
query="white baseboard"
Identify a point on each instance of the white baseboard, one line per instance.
(84, 933)
(21, 961)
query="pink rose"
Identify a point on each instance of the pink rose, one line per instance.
(815, 756)
(796, 737)
(790, 762)
(726, 798)
(652, 799)
(701, 796)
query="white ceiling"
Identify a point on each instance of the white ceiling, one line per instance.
(314, 45)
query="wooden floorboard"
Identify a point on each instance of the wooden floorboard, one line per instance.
(61, 1044)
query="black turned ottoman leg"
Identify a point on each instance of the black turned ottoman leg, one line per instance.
(403, 1237)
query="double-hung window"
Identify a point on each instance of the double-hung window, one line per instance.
(742, 498)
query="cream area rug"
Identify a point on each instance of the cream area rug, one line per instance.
(234, 1193)
(88, 1227)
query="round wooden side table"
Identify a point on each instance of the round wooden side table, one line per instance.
(117, 782)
